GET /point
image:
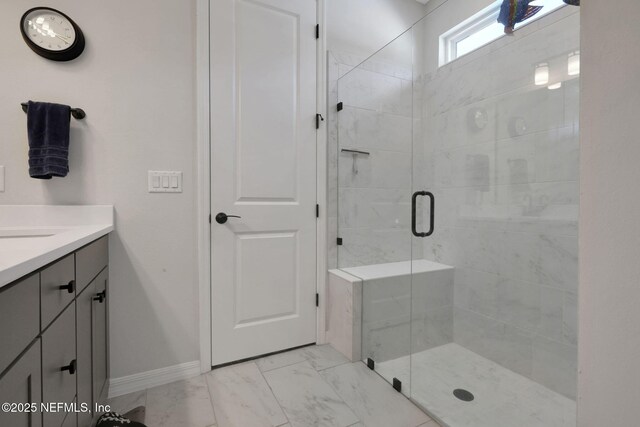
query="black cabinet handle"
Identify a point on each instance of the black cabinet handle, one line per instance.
(414, 200)
(222, 217)
(70, 287)
(71, 367)
(100, 297)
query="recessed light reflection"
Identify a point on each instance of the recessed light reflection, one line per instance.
(573, 66)
(555, 86)
(542, 74)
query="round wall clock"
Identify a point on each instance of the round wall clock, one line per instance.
(52, 34)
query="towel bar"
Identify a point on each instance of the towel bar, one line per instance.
(77, 113)
(346, 150)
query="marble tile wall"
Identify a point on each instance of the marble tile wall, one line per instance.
(369, 196)
(501, 155)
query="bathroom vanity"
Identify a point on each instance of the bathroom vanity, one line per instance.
(53, 316)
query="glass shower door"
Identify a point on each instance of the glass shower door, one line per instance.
(494, 287)
(374, 193)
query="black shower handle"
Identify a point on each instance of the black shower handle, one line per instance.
(414, 200)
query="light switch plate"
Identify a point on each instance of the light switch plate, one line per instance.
(1, 179)
(165, 182)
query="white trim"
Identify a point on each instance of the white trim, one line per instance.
(321, 179)
(203, 162)
(144, 380)
(204, 179)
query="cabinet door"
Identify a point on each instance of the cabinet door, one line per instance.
(19, 318)
(59, 364)
(99, 328)
(72, 420)
(83, 339)
(21, 384)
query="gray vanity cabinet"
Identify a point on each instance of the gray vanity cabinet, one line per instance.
(53, 339)
(71, 420)
(99, 333)
(19, 318)
(59, 364)
(84, 302)
(92, 344)
(57, 289)
(22, 384)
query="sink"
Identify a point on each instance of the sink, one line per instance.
(28, 233)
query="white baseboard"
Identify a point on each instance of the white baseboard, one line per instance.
(144, 380)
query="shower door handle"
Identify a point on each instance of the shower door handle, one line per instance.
(432, 209)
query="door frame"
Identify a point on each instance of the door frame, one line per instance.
(203, 181)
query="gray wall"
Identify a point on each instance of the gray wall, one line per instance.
(609, 229)
(136, 81)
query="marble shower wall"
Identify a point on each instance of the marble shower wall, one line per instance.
(501, 155)
(370, 194)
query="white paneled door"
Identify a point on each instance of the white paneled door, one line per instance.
(263, 170)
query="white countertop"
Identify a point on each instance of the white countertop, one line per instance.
(34, 236)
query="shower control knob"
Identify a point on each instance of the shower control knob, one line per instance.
(222, 217)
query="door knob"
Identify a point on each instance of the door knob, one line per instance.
(222, 217)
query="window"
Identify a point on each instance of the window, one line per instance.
(483, 28)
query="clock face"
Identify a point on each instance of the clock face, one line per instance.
(52, 34)
(49, 29)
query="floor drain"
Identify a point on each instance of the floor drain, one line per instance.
(463, 394)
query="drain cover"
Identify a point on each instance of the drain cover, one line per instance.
(463, 394)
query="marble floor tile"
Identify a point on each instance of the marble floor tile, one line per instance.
(280, 360)
(307, 399)
(323, 356)
(371, 397)
(241, 397)
(183, 403)
(123, 404)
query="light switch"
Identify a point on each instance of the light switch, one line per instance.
(1, 179)
(165, 182)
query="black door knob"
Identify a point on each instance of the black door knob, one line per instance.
(222, 217)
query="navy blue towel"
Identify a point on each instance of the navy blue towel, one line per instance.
(48, 128)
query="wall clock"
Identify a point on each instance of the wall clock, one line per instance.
(52, 34)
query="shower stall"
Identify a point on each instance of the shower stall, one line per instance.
(456, 210)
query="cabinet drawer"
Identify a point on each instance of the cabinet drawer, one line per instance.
(57, 289)
(19, 318)
(21, 384)
(58, 354)
(90, 261)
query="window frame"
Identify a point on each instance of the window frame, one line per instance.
(489, 15)
(467, 28)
